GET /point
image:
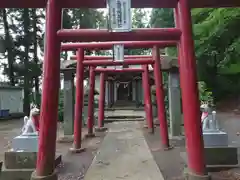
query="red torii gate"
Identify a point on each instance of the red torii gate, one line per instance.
(51, 77)
(148, 107)
(136, 59)
(109, 45)
(187, 70)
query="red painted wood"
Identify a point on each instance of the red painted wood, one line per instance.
(110, 58)
(189, 91)
(101, 103)
(147, 97)
(118, 70)
(102, 3)
(109, 45)
(114, 63)
(160, 98)
(79, 100)
(103, 35)
(90, 120)
(51, 84)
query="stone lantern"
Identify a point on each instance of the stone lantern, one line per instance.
(2, 44)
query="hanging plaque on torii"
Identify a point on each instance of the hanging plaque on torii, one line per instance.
(118, 54)
(120, 20)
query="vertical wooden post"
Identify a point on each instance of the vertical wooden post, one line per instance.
(77, 143)
(49, 106)
(147, 98)
(101, 103)
(90, 121)
(190, 99)
(160, 98)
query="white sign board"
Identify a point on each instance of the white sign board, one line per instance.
(120, 19)
(118, 54)
(118, 67)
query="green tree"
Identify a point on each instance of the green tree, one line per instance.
(216, 44)
(9, 47)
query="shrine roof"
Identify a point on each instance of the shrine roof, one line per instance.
(102, 3)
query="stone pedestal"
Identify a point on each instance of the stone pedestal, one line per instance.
(20, 165)
(218, 154)
(20, 162)
(25, 143)
(221, 156)
(215, 138)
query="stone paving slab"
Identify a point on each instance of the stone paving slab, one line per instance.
(122, 113)
(124, 154)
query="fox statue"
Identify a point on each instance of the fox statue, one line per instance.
(31, 124)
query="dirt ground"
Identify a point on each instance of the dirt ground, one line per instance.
(8, 130)
(74, 166)
(170, 163)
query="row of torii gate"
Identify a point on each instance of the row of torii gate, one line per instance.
(164, 37)
(94, 61)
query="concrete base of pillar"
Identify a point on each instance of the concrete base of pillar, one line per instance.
(192, 176)
(100, 129)
(53, 176)
(145, 126)
(150, 130)
(65, 139)
(156, 122)
(179, 138)
(90, 135)
(167, 148)
(76, 151)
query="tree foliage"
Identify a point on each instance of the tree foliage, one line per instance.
(217, 46)
(216, 35)
(24, 40)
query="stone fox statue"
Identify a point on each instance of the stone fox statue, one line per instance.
(31, 123)
(209, 121)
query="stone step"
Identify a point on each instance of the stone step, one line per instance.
(122, 120)
(123, 117)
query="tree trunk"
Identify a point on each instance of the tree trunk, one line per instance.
(9, 48)
(26, 24)
(35, 45)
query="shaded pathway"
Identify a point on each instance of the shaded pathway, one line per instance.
(124, 154)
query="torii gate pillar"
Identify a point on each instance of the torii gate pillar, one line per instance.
(147, 98)
(190, 99)
(78, 118)
(160, 99)
(101, 103)
(49, 106)
(90, 119)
